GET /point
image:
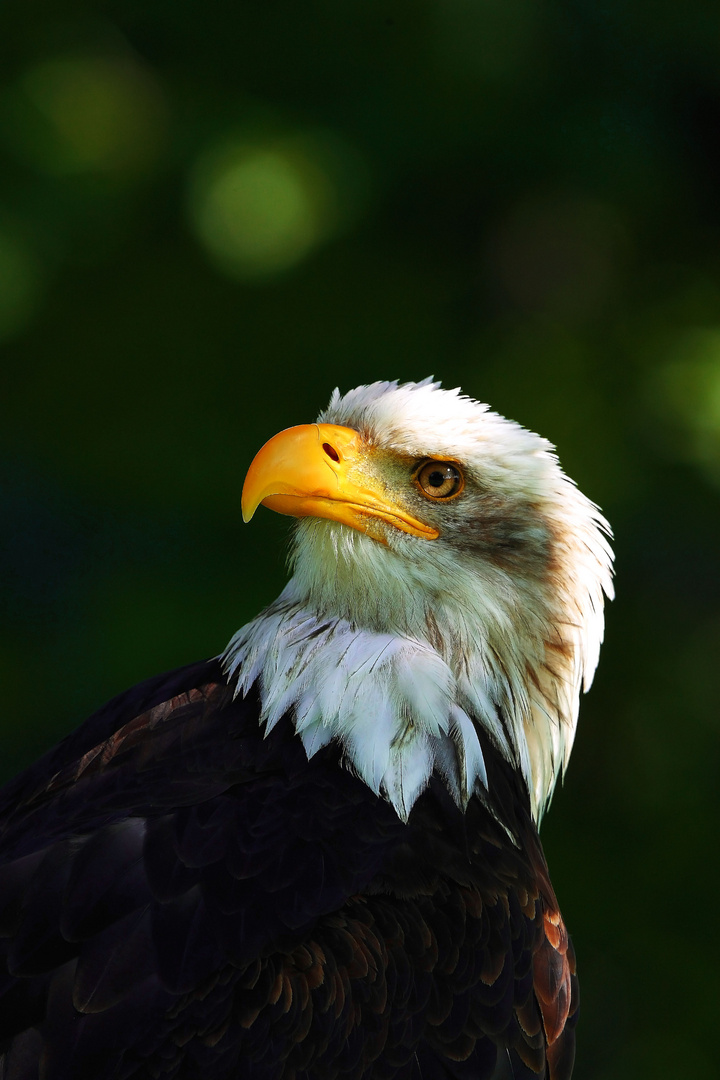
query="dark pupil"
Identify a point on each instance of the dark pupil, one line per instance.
(437, 479)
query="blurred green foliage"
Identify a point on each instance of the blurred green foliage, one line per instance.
(211, 214)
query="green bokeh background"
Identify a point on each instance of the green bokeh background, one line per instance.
(522, 198)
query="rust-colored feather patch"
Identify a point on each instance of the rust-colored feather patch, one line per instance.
(551, 975)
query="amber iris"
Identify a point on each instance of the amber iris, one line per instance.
(439, 479)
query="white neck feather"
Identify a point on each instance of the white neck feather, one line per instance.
(404, 677)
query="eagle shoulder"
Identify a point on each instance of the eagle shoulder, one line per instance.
(178, 888)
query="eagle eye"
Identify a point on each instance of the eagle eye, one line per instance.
(439, 479)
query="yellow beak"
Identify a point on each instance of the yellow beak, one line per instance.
(320, 470)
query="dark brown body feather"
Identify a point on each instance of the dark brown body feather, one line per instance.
(183, 898)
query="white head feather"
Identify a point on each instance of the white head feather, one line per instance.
(402, 651)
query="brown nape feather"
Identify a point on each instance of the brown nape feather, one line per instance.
(182, 897)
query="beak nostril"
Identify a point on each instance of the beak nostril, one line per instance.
(331, 451)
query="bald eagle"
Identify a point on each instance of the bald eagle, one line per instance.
(316, 856)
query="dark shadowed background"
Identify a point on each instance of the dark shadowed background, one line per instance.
(213, 213)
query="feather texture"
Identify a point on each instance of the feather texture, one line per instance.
(184, 897)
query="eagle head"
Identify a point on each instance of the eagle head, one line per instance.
(447, 588)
